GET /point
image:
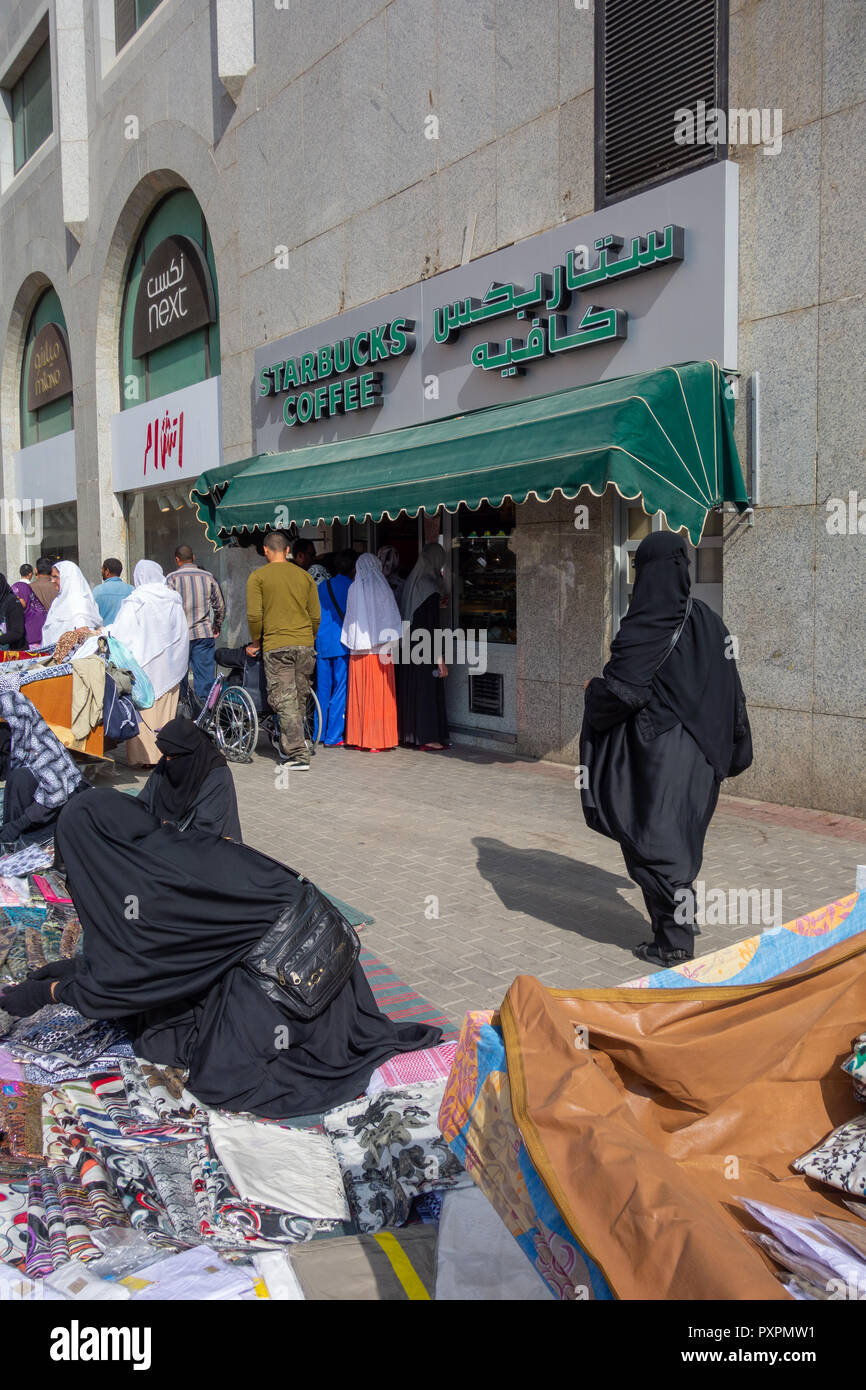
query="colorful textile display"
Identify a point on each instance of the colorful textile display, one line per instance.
(13, 1223)
(21, 1119)
(390, 1149)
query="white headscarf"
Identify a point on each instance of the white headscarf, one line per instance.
(151, 624)
(73, 607)
(372, 617)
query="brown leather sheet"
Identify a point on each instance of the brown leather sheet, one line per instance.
(683, 1102)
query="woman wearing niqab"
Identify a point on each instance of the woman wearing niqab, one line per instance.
(175, 973)
(370, 629)
(663, 726)
(192, 784)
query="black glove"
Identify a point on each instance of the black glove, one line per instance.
(26, 999)
(54, 970)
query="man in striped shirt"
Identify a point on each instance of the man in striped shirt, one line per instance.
(205, 609)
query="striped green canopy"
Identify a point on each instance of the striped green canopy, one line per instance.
(666, 435)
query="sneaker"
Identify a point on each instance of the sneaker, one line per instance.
(296, 765)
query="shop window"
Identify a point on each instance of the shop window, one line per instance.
(56, 416)
(30, 101)
(706, 560)
(651, 61)
(185, 360)
(485, 577)
(129, 15)
(59, 540)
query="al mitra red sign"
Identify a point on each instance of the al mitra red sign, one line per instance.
(168, 440)
(163, 439)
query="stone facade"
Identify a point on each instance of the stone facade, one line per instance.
(305, 126)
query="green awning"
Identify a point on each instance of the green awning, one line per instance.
(665, 435)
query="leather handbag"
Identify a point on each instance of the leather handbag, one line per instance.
(306, 958)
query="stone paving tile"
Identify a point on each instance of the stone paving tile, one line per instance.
(523, 886)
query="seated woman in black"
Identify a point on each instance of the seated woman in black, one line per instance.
(191, 784)
(40, 775)
(174, 970)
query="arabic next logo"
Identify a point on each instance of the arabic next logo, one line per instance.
(175, 295)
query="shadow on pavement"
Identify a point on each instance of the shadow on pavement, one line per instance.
(568, 893)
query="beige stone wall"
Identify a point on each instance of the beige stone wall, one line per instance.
(795, 595)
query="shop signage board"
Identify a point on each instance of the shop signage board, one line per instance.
(171, 439)
(175, 295)
(49, 377)
(650, 281)
(46, 471)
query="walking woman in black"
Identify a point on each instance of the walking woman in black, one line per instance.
(663, 726)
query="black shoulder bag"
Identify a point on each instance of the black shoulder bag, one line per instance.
(306, 958)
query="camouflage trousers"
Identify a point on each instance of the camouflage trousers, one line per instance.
(289, 672)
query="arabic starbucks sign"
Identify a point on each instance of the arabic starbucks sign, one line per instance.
(175, 295)
(646, 283)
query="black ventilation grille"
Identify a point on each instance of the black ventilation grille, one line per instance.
(487, 695)
(652, 59)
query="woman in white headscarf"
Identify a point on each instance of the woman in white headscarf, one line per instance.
(152, 625)
(371, 627)
(73, 607)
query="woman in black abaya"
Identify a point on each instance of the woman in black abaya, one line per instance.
(168, 918)
(663, 725)
(191, 784)
(421, 716)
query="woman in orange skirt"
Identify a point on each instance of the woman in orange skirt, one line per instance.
(371, 627)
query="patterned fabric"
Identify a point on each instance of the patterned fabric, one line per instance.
(63, 1135)
(169, 1168)
(61, 1030)
(47, 1244)
(410, 1068)
(46, 673)
(169, 1096)
(53, 1071)
(771, 952)
(136, 1188)
(478, 1124)
(24, 861)
(21, 1119)
(35, 747)
(13, 1223)
(390, 1150)
(855, 1066)
(102, 1195)
(110, 1091)
(225, 1219)
(841, 1159)
(67, 643)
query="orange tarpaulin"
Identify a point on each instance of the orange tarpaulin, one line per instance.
(683, 1102)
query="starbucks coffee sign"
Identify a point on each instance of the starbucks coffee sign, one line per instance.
(175, 295)
(49, 376)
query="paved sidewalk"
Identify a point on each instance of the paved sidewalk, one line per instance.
(479, 867)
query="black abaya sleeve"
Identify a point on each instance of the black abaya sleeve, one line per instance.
(608, 701)
(216, 806)
(147, 795)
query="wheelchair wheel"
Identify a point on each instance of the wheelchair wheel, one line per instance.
(313, 722)
(236, 725)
